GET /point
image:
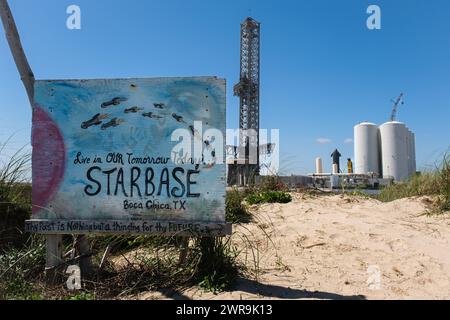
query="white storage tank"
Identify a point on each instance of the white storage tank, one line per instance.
(413, 156)
(367, 155)
(319, 167)
(408, 151)
(394, 137)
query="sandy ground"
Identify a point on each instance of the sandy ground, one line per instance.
(340, 247)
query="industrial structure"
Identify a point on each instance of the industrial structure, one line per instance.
(397, 102)
(387, 151)
(397, 151)
(382, 154)
(245, 165)
(367, 149)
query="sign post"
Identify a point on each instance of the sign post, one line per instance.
(128, 156)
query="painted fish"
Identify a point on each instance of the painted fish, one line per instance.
(113, 123)
(151, 115)
(159, 105)
(194, 132)
(133, 109)
(115, 101)
(178, 118)
(94, 121)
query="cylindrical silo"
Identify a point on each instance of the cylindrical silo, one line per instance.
(367, 156)
(394, 150)
(412, 154)
(408, 151)
(413, 148)
(319, 168)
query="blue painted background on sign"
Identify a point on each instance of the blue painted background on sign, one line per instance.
(119, 160)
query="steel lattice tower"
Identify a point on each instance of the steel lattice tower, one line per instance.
(248, 91)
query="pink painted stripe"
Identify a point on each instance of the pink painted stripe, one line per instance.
(48, 160)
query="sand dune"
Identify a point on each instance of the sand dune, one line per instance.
(342, 247)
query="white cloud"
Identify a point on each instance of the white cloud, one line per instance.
(323, 140)
(348, 140)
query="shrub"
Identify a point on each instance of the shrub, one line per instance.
(20, 268)
(443, 182)
(217, 267)
(269, 197)
(12, 220)
(272, 183)
(235, 211)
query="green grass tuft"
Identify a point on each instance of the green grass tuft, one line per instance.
(269, 197)
(217, 268)
(235, 211)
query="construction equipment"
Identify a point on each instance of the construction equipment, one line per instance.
(398, 101)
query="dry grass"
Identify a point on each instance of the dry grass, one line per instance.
(15, 196)
(436, 183)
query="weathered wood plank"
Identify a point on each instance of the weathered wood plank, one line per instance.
(166, 228)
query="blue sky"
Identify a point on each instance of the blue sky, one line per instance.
(322, 70)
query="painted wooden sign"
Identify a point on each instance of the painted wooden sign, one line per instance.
(129, 156)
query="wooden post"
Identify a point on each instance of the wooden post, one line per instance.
(12, 35)
(183, 250)
(85, 253)
(54, 258)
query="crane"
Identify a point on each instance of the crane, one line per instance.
(395, 106)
